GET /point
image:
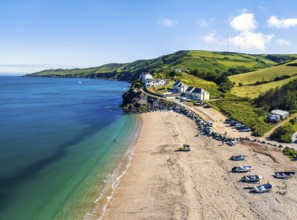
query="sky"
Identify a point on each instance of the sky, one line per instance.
(43, 34)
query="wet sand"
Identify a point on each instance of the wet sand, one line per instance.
(164, 184)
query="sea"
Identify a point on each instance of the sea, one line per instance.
(64, 144)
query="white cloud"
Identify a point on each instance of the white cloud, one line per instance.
(210, 38)
(167, 22)
(274, 21)
(282, 42)
(251, 40)
(244, 22)
(202, 23)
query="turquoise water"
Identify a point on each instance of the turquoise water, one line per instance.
(57, 148)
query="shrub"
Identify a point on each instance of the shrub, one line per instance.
(290, 152)
(283, 133)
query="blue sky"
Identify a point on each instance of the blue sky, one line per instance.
(41, 34)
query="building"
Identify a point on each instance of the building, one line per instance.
(179, 87)
(279, 113)
(145, 76)
(199, 94)
(189, 91)
(155, 82)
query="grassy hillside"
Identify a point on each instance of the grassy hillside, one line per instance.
(256, 90)
(212, 62)
(268, 74)
(258, 82)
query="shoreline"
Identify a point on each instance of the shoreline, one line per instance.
(112, 181)
(163, 184)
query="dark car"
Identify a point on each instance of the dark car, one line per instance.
(228, 121)
(233, 123)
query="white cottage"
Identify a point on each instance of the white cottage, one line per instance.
(145, 76)
(179, 87)
(199, 94)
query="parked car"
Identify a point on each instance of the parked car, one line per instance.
(210, 124)
(233, 123)
(228, 121)
(238, 125)
(197, 103)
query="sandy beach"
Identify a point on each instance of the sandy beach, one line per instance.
(164, 184)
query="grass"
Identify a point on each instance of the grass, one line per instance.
(256, 90)
(267, 74)
(245, 113)
(186, 60)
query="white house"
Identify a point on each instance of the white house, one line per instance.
(199, 94)
(155, 82)
(179, 87)
(189, 91)
(145, 76)
(282, 114)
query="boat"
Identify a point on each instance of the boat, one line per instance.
(284, 175)
(263, 188)
(251, 178)
(241, 169)
(238, 157)
(185, 147)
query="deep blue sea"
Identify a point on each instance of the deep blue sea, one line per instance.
(63, 142)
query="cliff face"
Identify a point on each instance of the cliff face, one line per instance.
(135, 101)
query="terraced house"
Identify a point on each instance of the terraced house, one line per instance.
(197, 94)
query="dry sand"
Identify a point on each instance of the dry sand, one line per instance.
(164, 184)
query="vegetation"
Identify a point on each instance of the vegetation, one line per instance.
(284, 98)
(267, 75)
(256, 90)
(282, 134)
(280, 58)
(285, 132)
(244, 112)
(187, 61)
(290, 152)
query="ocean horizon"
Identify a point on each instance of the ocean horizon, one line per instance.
(64, 143)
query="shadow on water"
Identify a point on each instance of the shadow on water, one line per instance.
(7, 185)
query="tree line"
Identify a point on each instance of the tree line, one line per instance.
(284, 98)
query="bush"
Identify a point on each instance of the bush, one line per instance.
(290, 152)
(283, 133)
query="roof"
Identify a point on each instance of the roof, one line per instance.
(279, 112)
(197, 90)
(176, 83)
(189, 89)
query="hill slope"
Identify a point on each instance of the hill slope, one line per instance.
(204, 61)
(258, 82)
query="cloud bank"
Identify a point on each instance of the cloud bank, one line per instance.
(275, 22)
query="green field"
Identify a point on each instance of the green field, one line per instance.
(258, 82)
(256, 90)
(267, 74)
